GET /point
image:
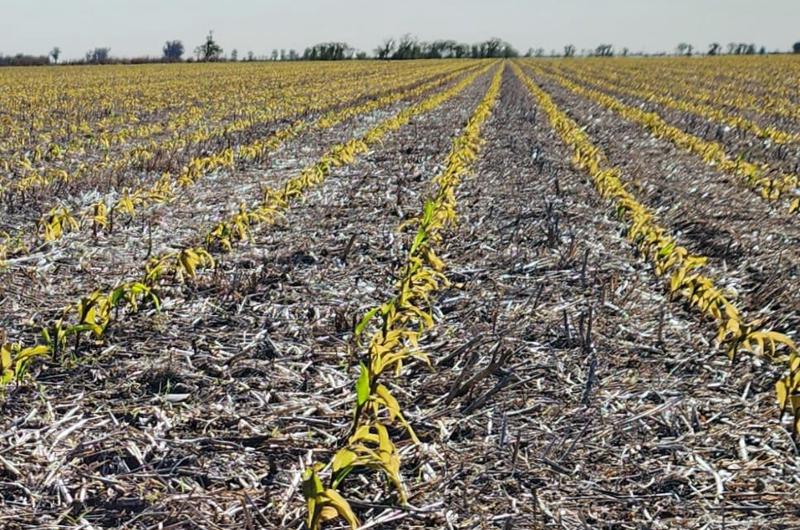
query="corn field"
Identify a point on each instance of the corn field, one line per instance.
(457, 294)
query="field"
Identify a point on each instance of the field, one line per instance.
(459, 294)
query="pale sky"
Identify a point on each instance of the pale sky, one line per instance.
(140, 27)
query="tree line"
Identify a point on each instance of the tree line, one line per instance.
(404, 48)
(734, 48)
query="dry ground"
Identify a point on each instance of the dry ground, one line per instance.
(566, 390)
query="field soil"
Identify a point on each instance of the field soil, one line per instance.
(566, 389)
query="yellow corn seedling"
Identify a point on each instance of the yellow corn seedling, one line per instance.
(128, 203)
(402, 320)
(100, 216)
(55, 337)
(788, 390)
(234, 229)
(324, 504)
(734, 334)
(131, 294)
(10, 245)
(57, 222)
(90, 316)
(14, 360)
(93, 313)
(182, 264)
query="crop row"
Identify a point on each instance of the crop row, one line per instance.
(747, 80)
(401, 321)
(677, 97)
(756, 176)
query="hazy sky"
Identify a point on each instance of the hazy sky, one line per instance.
(140, 27)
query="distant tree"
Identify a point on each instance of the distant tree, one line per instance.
(251, 56)
(604, 50)
(743, 48)
(329, 51)
(625, 52)
(496, 48)
(453, 49)
(209, 50)
(461, 51)
(362, 55)
(98, 55)
(24, 60)
(444, 48)
(55, 53)
(796, 47)
(407, 47)
(283, 54)
(762, 50)
(432, 50)
(569, 50)
(439, 49)
(509, 51)
(274, 55)
(681, 48)
(173, 50)
(386, 49)
(293, 55)
(539, 52)
(492, 47)
(234, 55)
(714, 48)
(731, 48)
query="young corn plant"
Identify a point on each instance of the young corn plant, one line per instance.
(99, 217)
(182, 265)
(11, 245)
(57, 222)
(15, 359)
